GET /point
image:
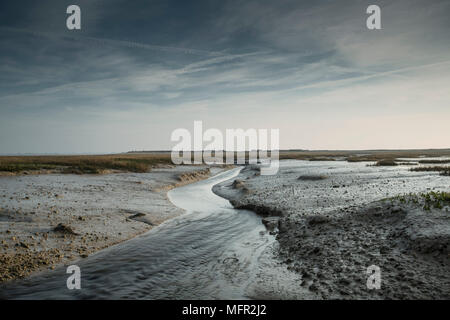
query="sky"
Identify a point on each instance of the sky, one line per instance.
(138, 70)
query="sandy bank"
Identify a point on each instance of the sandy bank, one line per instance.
(331, 225)
(52, 219)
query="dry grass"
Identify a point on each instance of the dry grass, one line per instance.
(93, 164)
(363, 155)
(434, 161)
(386, 162)
(311, 178)
(321, 159)
(142, 162)
(314, 155)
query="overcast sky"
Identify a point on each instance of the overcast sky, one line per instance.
(137, 70)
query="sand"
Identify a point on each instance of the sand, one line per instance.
(51, 219)
(332, 224)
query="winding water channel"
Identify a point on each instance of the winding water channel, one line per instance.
(212, 252)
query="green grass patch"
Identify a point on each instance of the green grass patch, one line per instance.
(429, 200)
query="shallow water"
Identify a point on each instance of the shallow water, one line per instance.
(211, 252)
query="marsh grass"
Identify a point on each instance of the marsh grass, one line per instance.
(144, 161)
(94, 164)
(362, 155)
(386, 162)
(321, 159)
(443, 170)
(434, 161)
(432, 199)
(312, 177)
(436, 199)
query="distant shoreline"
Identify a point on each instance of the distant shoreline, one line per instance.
(331, 151)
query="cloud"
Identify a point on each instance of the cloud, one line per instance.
(161, 65)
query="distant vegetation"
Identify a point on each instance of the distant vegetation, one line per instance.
(386, 162)
(434, 161)
(144, 161)
(321, 159)
(94, 164)
(312, 177)
(366, 155)
(444, 170)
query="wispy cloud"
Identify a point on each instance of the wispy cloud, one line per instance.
(141, 71)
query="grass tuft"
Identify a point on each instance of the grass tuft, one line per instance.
(432, 199)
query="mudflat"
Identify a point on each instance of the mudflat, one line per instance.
(334, 219)
(50, 219)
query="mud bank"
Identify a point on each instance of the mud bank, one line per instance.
(51, 219)
(332, 223)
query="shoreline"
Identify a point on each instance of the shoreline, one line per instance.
(50, 220)
(330, 236)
